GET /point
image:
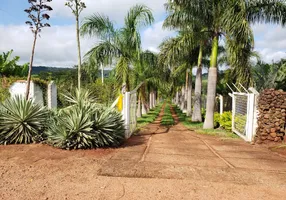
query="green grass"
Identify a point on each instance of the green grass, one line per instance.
(167, 119)
(198, 128)
(149, 117)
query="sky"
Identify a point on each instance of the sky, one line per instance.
(57, 45)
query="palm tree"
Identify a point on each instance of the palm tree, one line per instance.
(229, 19)
(180, 53)
(122, 44)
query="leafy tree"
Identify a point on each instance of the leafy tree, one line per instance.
(123, 45)
(37, 12)
(181, 53)
(270, 75)
(9, 66)
(77, 7)
(228, 19)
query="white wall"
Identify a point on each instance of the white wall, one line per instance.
(19, 88)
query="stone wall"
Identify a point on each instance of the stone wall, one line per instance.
(271, 120)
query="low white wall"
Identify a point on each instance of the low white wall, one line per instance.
(36, 93)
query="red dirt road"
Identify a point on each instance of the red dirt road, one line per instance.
(159, 163)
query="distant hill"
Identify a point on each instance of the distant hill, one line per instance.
(38, 69)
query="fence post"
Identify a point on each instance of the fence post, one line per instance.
(126, 113)
(52, 95)
(233, 111)
(221, 104)
(250, 117)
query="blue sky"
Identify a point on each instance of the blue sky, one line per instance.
(57, 45)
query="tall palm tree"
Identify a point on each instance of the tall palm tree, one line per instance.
(122, 44)
(231, 20)
(180, 53)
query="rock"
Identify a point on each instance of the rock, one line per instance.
(273, 134)
(277, 139)
(273, 130)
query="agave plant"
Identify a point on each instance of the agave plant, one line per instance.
(86, 127)
(22, 121)
(71, 129)
(108, 127)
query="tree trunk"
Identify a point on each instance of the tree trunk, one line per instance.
(197, 113)
(183, 98)
(212, 82)
(144, 110)
(177, 97)
(151, 99)
(186, 92)
(102, 74)
(79, 51)
(31, 66)
(189, 95)
(139, 114)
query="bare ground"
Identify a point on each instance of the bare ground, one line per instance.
(159, 163)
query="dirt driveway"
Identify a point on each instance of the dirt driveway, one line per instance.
(160, 163)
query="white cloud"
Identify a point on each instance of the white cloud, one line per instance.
(115, 9)
(57, 44)
(55, 47)
(270, 42)
(153, 36)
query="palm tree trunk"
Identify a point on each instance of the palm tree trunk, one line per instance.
(183, 98)
(197, 113)
(79, 51)
(177, 97)
(102, 74)
(186, 91)
(31, 66)
(189, 94)
(212, 82)
(139, 114)
(144, 110)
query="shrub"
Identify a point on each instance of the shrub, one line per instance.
(224, 120)
(86, 127)
(22, 121)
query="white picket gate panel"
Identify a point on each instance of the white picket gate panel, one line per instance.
(244, 115)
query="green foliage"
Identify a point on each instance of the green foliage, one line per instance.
(150, 117)
(85, 124)
(224, 121)
(9, 66)
(182, 116)
(240, 121)
(86, 127)
(105, 93)
(22, 121)
(268, 76)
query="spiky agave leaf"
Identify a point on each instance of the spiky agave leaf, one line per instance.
(86, 127)
(22, 121)
(108, 127)
(71, 129)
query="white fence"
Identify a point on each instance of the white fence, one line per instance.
(244, 114)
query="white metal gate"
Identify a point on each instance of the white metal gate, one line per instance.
(244, 114)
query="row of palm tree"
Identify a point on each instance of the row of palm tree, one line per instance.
(208, 22)
(202, 26)
(122, 47)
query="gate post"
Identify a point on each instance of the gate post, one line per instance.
(250, 117)
(126, 113)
